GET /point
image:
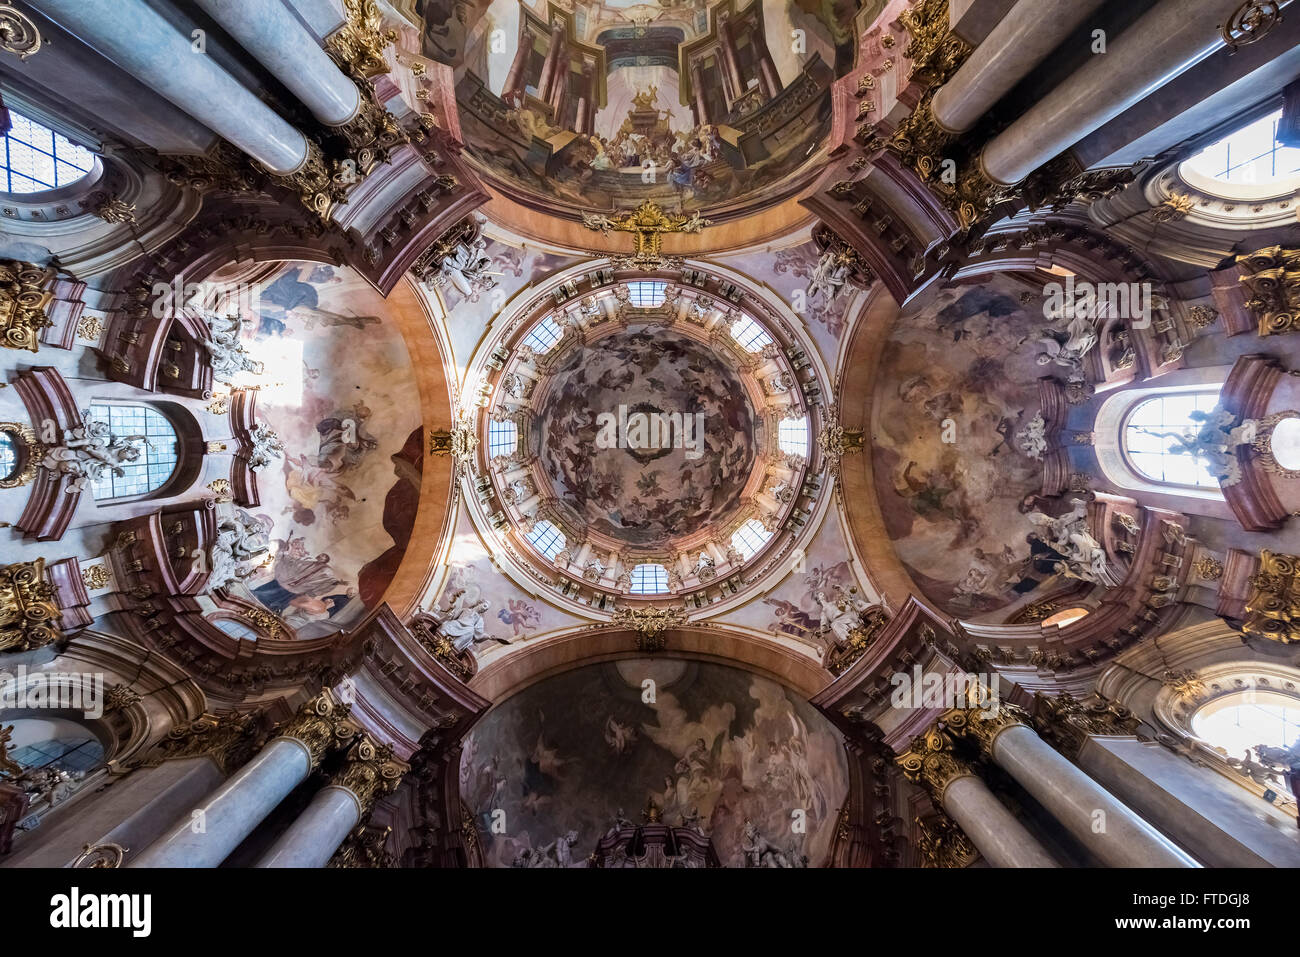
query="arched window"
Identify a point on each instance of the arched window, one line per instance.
(152, 433)
(1240, 721)
(8, 456)
(543, 335)
(750, 537)
(503, 438)
(750, 334)
(1158, 423)
(547, 539)
(647, 294)
(54, 744)
(649, 579)
(1065, 617)
(1249, 156)
(792, 436)
(34, 158)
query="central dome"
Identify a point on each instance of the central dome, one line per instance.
(646, 437)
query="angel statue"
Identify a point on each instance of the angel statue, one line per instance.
(91, 451)
(828, 276)
(462, 623)
(838, 618)
(1069, 348)
(239, 541)
(1085, 559)
(266, 447)
(225, 351)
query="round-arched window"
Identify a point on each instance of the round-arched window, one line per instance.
(34, 158)
(1245, 719)
(54, 744)
(8, 456)
(1154, 429)
(149, 431)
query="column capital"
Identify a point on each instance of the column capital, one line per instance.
(1066, 722)
(369, 772)
(930, 762)
(229, 738)
(983, 725)
(320, 726)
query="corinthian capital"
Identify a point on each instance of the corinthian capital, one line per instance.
(370, 772)
(983, 725)
(930, 762)
(320, 725)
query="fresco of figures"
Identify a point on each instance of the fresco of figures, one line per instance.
(548, 772)
(625, 108)
(645, 496)
(969, 356)
(333, 387)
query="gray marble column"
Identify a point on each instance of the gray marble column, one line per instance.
(317, 833)
(1117, 836)
(953, 786)
(1167, 40)
(232, 811)
(368, 772)
(1021, 41)
(283, 45)
(145, 45)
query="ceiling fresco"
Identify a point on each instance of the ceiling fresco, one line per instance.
(645, 496)
(657, 102)
(546, 773)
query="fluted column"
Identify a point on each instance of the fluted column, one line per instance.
(955, 788)
(1106, 827)
(205, 836)
(1021, 41)
(368, 773)
(285, 47)
(141, 42)
(1164, 42)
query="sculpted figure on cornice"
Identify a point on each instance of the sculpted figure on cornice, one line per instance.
(239, 540)
(1085, 559)
(91, 451)
(225, 351)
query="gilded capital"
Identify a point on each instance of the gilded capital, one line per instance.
(24, 297)
(983, 725)
(1273, 609)
(941, 843)
(1272, 276)
(1066, 723)
(370, 772)
(930, 762)
(321, 725)
(229, 738)
(29, 613)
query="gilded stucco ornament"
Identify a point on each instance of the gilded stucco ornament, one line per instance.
(321, 725)
(648, 224)
(229, 738)
(650, 624)
(30, 453)
(1272, 275)
(18, 34)
(941, 843)
(370, 772)
(929, 762)
(29, 615)
(1273, 609)
(1066, 722)
(360, 43)
(24, 297)
(983, 724)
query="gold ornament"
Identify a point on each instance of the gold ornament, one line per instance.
(929, 762)
(18, 34)
(24, 296)
(229, 738)
(943, 844)
(650, 624)
(95, 577)
(1273, 277)
(1066, 722)
(321, 725)
(370, 772)
(1273, 610)
(360, 43)
(648, 223)
(29, 616)
(30, 454)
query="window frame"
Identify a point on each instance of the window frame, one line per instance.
(163, 489)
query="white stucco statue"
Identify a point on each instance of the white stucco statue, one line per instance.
(462, 623)
(225, 351)
(238, 542)
(839, 619)
(266, 447)
(91, 451)
(828, 277)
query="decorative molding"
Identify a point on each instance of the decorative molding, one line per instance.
(1273, 609)
(29, 616)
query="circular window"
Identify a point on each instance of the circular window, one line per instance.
(1285, 443)
(1245, 719)
(8, 456)
(35, 159)
(1248, 163)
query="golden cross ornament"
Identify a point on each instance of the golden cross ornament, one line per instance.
(648, 223)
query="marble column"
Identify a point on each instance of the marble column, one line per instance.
(954, 787)
(697, 87)
(140, 41)
(767, 70)
(731, 67)
(204, 836)
(367, 774)
(1021, 41)
(1106, 827)
(547, 81)
(1167, 40)
(515, 78)
(284, 46)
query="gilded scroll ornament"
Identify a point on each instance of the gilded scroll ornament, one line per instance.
(1272, 275)
(983, 725)
(648, 223)
(30, 452)
(321, 724)
(360, 43)
(229, 738)
(941, 843)
(95, 577)
(1066, 722)
(18, 34)
(1273, 609)
(650, 624)
(24, 297)
(29, 616)
(370, 772)
(929, 762)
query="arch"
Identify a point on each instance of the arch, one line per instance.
(37, 159)
(510, 674)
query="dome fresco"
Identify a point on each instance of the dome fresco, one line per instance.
(609, 398)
